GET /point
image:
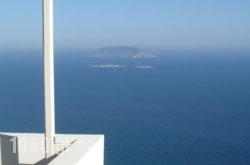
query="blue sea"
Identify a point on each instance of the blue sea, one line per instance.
(191, 108)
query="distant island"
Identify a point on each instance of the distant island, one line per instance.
(119, 66)
(107, 66)
(123, 52)
(143, 67)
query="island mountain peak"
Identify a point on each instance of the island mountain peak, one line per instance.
(123, 52)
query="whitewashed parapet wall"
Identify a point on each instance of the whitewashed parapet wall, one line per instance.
(80, 150)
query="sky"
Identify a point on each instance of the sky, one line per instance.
(152, 24)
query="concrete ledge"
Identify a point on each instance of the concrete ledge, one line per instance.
(85, 150)
(70, 149)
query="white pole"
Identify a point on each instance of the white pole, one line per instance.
(48, 48)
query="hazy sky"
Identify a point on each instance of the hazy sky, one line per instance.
(83, 24)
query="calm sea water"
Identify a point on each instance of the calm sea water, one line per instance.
(190, 109)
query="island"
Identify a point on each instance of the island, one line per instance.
(122, 52)
(143, 67)
(107, 66)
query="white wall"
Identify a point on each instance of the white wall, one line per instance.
(76, 149)
(6, 151)
(85, 151)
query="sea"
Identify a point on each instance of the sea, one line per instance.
(187, 108)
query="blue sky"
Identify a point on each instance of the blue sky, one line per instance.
(153, 24)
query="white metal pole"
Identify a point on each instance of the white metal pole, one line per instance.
(48, 48)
